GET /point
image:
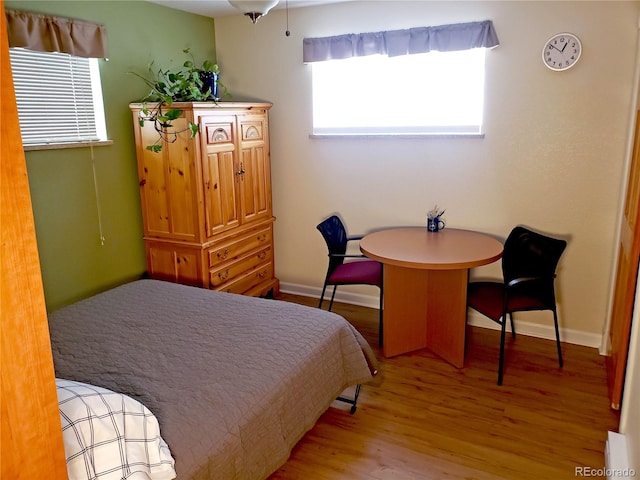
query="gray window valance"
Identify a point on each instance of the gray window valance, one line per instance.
(46, 33)
(444, 38)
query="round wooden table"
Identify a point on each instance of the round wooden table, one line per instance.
(425, 286)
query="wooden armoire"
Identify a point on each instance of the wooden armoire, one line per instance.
(206, 200)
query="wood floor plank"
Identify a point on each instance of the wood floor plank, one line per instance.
(423, 419)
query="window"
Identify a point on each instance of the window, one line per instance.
(59, 98)
(420, 94)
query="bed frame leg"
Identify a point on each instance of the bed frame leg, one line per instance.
(352, 401)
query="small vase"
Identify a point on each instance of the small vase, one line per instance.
(210, 82)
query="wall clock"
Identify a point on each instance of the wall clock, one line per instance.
(561, 51)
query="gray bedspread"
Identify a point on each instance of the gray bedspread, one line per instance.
(234, 381)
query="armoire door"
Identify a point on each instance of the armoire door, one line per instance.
(255, 179)
(626, 279)
(221, 170)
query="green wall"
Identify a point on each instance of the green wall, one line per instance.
(74, 262)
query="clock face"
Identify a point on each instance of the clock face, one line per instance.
(561, 51)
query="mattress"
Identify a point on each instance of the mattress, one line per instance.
(234, 381)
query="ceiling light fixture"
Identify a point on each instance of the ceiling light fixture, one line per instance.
(254, 9)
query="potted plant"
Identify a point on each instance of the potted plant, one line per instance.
(190, 83)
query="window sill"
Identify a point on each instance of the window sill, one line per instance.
(56, 146)
(421, 136)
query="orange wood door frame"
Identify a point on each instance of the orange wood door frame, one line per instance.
(31, 438)
(626, 279)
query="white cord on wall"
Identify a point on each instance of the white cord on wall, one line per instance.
(95, 188)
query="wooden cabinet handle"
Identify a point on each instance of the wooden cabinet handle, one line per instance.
(223, 276)
(262, 255)
(218, 135)
(251, 132)
(223, 255)
(261, 238)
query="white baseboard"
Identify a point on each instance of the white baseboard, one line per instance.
(616, 458)
(476, 319)
(537, 330)
(341, 296)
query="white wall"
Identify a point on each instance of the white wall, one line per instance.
(553, 156)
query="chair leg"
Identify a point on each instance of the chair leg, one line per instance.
(381, 326)
(513, 326)
(332, 297)
(555, 321)
(381, 312)
(324, 287)
(501, 360)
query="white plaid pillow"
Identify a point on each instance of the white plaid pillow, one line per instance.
(110, 436)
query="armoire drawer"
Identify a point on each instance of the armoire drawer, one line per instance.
(239, 247)
(250, 279)
(230, 271)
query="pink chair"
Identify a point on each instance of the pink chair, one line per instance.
(339, 272)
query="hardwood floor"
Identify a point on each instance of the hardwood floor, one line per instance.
(423, 419)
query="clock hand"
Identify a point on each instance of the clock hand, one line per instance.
(565, 46)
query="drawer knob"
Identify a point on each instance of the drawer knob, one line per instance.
(223, 276)
(262, 255)
(223, 255)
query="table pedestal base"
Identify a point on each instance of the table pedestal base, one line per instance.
(425, 308)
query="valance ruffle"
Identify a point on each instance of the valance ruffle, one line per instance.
(46, 33)
(443, 38)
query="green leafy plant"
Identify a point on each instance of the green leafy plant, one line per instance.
(190, 83)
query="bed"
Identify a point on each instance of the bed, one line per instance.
(233, 381)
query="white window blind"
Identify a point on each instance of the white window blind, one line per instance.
(59, 97)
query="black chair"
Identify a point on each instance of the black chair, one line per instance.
(339, 272)
(529, 263)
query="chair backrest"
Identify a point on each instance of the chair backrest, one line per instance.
(335, 235)
(531, 254)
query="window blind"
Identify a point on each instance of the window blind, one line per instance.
(55, 97)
